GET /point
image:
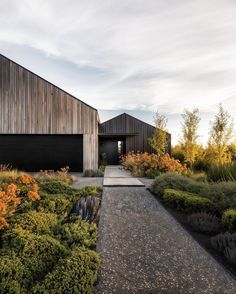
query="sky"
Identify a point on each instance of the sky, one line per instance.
(130, 56)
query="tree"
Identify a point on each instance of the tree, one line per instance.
(190, 124)
(220, 136)
(158, 141)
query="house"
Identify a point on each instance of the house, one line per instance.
(44, 127)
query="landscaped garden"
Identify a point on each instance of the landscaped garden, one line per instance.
(48, 233)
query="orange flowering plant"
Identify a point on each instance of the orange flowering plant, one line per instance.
(143, 164)
(13, 193)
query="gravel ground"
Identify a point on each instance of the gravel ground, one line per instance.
(144, 250)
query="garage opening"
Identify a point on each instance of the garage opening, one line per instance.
(37, 152)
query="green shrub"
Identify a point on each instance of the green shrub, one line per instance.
(222, 173)
(58, 204)
(78, 233)
(75, 274)
(152, 173)
(56, 187)
(230, 254)
(229, 220)
(11, 275)
(175, 181)
(38, 253)
(186, 201)
(94, 190)
(204, 222)
(34, 221)
(222, 194)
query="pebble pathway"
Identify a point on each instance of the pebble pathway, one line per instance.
(145, 250)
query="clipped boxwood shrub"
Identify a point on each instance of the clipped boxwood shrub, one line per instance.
(58, 204)
(78, 233)
(11, 275)
(186, 201)
(75, 274)
(229, 220)
(34, 221)
(38, 253)
(56, 187)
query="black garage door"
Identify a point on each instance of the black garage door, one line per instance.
(36, 152)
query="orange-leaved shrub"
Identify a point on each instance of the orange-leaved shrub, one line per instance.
(15, 192)
(142, 164)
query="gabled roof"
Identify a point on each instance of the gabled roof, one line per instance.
(2, 56)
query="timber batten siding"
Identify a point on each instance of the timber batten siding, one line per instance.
(31, 105)
(135, 132)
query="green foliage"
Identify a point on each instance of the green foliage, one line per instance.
(223, 194)
(77, 233)
(94, 190)
(221, 173)
(190, 124)
(38, 253)
(34, 221)
(75, 274)
(186, 201)
(56, 187)
(158, 141)
(204, 222)
(152, 173)
(11, 275)
(229, 220)
(58, 204)
(101, 171)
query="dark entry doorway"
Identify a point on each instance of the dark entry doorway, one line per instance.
(111, 149)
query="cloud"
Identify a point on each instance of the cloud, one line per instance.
(132, 54)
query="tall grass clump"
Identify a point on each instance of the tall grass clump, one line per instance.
(222, 173)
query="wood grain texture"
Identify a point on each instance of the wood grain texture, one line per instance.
(32, 105)
(135, 131)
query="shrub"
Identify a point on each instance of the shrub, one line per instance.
(58, 204)
(39, 253)
(223, 194)
(152, 173)
(75, 274)
(56, 187)
(222, 173)
(229, 220)
(186, 201)
(175, 181)
(34, 221)
(77, 233)
(141, 163)
(230, 254)
(204, 222)
(11, 275)
(224, 240)
(61, 175)
(94, 190)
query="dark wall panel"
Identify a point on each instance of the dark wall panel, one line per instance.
(36, 152)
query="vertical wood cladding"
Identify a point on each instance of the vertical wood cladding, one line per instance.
(136, 131)
(32, 105)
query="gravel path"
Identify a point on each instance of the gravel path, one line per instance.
(144, 250)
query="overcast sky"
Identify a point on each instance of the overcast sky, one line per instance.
(134, 56)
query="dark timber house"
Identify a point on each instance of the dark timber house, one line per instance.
(44, 127)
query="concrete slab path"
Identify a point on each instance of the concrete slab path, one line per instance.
(116, 176)
(144, 249)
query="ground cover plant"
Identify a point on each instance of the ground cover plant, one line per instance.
(209, 208)
(45, 247)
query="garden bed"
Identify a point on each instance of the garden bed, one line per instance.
(48, 234)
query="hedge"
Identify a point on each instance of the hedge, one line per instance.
(186, 201)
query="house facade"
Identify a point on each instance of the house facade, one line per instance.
(44, 127)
